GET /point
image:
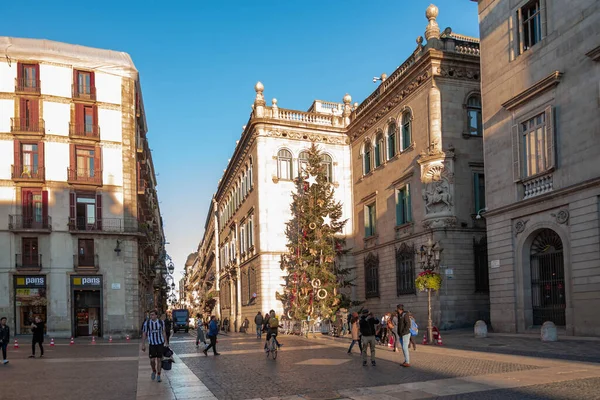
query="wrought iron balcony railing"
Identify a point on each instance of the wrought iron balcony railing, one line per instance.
(83, 92)
(86, 263)
(27, 173)
(20, 222)
(28, 261)
(25, 85)
(85, 176)
(86, 131)
(117, 225)
(27, 126)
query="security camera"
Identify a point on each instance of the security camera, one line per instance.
(375, 79)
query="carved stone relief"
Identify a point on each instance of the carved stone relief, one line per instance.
(448, 222)
(520, 226)
(313, 137)
(438, 182)
(562, 216)
(459, 73)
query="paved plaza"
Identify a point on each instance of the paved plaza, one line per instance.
(313, 368)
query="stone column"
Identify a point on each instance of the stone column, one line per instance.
(435, 119)
(217, 260)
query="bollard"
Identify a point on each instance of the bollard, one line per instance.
(481, 330)
(548, 332)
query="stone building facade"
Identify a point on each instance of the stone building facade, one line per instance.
(542, 127)
(80, 228)
(417, 167)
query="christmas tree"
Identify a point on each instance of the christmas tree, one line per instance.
(314, 276)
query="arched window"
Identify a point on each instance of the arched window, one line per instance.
(391, 140)
(406, 131)
(284, 164)
(379, 154)
(303, 164)
(327, 164)
(367, 158)
(474, 120)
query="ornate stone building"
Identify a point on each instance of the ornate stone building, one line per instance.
(80, 227)
(540, 75)
(417, 167)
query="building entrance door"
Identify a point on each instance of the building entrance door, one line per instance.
(548, 279)
(87, 313)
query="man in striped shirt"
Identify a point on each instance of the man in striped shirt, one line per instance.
(154, 331)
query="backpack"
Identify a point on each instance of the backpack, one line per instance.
(273, 322)
(414, 328)
(390, 323)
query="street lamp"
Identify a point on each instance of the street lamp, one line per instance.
(429, 260)
(171, 267)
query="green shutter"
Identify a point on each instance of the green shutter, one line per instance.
(408, 204)
(398, 207)
(367, 212)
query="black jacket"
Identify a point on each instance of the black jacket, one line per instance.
(368, 325)
(38, 333)
(4, 334)
(403, 324)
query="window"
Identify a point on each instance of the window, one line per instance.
(34, 209)
(29, 113)
(250, 232)
(379, 150)
(327, 164)
(371, 276)
(370, 220)
(28, 78)
(391, 140)
(252, 288)
(481, 265)
(479, 191)
(243, 239)
(250, 183)
(30, 256)
(85, 162)
(28, 160)
(244, 192)
(406, 131)
(84, 85)
(405, 270)
(303, 164)
(403, 206)
(85, 211)
(367, 158)
(474, 120)
(530, 25)
(537, 141)
(85, 253)
(284, 164)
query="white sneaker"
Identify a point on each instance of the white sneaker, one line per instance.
(4, 361)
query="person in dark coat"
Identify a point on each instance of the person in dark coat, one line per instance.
(213, 331)
(4, 338)
(368, 326)
(38, 336)
(258, 320)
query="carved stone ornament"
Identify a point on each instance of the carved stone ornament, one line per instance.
(459, 73)
(312, 137)
(520, 226)
(448, 222)
(437, 193)
(562, 217)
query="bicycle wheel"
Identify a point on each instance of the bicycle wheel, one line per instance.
(273, 349)
(267, 352)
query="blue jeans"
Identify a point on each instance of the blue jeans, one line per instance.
(405, 341)
(352, 345)
(4, 346)
(258, 331)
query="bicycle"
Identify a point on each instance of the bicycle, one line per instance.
(272, 347)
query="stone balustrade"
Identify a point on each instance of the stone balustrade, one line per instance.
(537, 186)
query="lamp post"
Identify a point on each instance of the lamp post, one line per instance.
(429, 260)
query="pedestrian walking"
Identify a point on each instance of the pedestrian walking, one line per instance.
(414, 330)
(168, 325)
(154, 331)
(226, 325)
(37, 327)
(245, 325)
(403, 327)
(200, 337)
(258, 320)
(368, 326)
(355, 331)
(213, 331)
(266, 322)
(4, 338)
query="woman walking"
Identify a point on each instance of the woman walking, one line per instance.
(355, 331)
(38, 336)
(213, 331)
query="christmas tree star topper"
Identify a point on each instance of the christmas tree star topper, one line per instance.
(312, 179)
(327, 220)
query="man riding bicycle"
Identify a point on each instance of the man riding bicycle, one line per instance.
(273, 324)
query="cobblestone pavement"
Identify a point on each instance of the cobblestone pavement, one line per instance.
(101, 372)
(320, 369)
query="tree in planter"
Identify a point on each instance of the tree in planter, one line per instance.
(429, 280)
(313, 277)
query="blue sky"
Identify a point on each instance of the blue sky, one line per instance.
(199, 61)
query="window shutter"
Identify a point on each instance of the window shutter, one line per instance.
(519, 31)
(98, 162)
(17, 149)
(398, 207)
(35, 114)
(99, 211)
(550, 138)
(516, 147)
(543, 24)
(19, 74)
(367, 221)
(41, 164)
(75, 82)
(25, 204)
(95, 122)
(72, 162)
(79, 115)
(72, 203)
(408, 204)
(92, 83)
(23, 111)
(44, 206)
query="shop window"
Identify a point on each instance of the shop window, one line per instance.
(30, 301)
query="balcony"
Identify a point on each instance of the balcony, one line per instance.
(84, 131)
(140, 143)
(537, 185)
(29, 224)
(29, 262)
(83, 263)
(110, 225)
(29, 86)
(27, 126)
(142, 185)
(27, 173)
(84, 93)
(84, 176)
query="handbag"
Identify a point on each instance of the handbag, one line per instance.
(167, 364)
